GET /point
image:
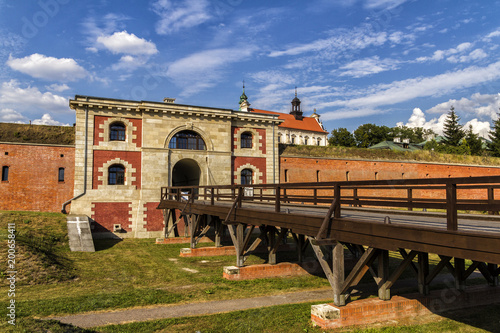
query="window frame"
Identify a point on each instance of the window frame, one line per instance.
(116, 177)
(59, 174)
(117, 134)
(5, 173)
(188, 140)
(245, 175)
(246, 140)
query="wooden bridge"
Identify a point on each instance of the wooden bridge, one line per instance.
(367, 218)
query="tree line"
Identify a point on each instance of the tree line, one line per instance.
(456, 139)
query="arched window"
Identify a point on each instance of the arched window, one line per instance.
(116, 175)
(117, 131)
(187, 140)
(246, 177)
(246, 140)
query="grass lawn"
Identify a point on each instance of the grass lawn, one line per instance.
(136, 272)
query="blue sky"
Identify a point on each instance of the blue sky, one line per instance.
(386, 62)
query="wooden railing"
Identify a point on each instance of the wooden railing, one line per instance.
(447, 194)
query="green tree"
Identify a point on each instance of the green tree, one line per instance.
(415, 134)
(369, 134)
(494, 145)
(474, 142)
(342, 137)
(453, 131)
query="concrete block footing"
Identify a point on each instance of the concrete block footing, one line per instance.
(267, 271)
(208, 251)
(180, 240)
(374, 310)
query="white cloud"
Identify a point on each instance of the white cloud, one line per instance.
(483, 106)
(368, 66)
(57, 87)
(495, 33)
(178, 15)
(47, 120)
(29, 98)
(418, 119)
(479, 127)
(477, 54)
(129, 63)
(204, 69)
(389, 4)
(342, 40)
(123, 42)
(405, 90)
(48, 68)
(11, 116)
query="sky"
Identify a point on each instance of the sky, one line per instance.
(386, 62)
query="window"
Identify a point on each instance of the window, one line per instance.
(279, 138)
(319, 141)
(306, 140)
(246, 140)
(117, 132)
(61, 174)
(116, 175)
(293, 140)
(246, 177)
(187, 140)
(5, 173)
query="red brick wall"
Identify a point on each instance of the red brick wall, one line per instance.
(154, 217)
(103, 156)
(105, 214)
(301, 169)
(261, 140)
(33, 177)
(258, 162)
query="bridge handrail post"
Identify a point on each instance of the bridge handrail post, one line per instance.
(212, 196)
(410, 198)
(277, 202)
(240, 196)
(336, 194)
(451, 207)
(315, 196)
(491, 198)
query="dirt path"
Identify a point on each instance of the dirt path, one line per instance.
(87, 320)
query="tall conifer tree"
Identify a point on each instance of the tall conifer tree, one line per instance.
(453, 131)
(494, 145)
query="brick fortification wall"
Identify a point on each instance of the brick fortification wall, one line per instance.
(33, 181)
(301, 169)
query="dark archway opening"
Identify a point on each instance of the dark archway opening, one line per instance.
(186, 172)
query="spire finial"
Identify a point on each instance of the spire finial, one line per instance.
(295, 91)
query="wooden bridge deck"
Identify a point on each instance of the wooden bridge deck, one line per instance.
(349, 214)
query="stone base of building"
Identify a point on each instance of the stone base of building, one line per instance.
(374, 310)
(181, 240)
(268, 271)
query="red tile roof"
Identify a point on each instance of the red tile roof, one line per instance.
(306, 124)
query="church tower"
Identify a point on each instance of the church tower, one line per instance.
(244, 100)
(296, 111)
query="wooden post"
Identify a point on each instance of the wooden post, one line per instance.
(300, 245)
(423, 273)
(493, 268)
(451, 207)
(315, 196)
(277, 202)
(239, 246)
(338, 274)
(270, 246)
(218, 230)
(384, 293)
(212, 196)
(410, 198)
(459, 273)
(336, 194)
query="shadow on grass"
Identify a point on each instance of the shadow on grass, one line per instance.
(104, 244)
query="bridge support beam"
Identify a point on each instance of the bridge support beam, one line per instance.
(423, 273)
(334, 273)
(384, 293)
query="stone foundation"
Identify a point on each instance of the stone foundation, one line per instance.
(374, 310)
(267, 271)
